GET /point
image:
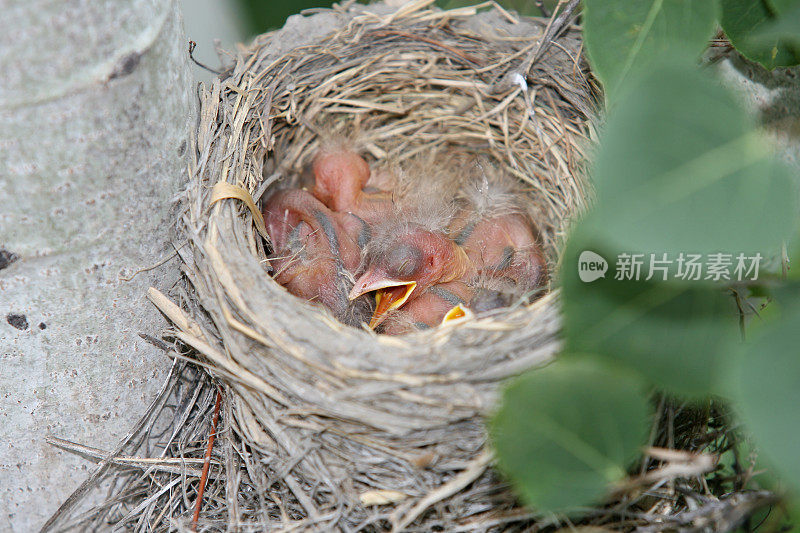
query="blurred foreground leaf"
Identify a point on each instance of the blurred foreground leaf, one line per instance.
(744, 19)
(566, 432)
(793, 252)
(786, 30)
(781, 7)
(679, 336)
(622, 36)
(681, 168)
(769, 393)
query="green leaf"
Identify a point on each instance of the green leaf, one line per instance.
(622, 36)
(742, 19)
(769, 394)
(680, 167)
(786, 30)
(566, 432)
(679, 336)
(782, 7)
(787, 297)
(793, 251)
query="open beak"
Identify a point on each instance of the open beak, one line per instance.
(456, 313)
(389, 294)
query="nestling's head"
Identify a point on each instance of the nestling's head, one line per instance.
(340, 175)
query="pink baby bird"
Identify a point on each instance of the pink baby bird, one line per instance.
(342, 182)
(314, 251)
(497, 234)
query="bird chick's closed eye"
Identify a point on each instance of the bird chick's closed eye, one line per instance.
(314, 249)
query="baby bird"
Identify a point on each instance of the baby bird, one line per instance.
(314, 251)
(432, 307)
(496, 233)
(342, 182)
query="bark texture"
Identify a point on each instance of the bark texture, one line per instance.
(96, 102)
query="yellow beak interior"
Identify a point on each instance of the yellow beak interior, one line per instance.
(456, 312)
(389, 298)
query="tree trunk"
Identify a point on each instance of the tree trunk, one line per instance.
(96, 102)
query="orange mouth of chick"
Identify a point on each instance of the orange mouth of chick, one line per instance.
(388, 298)
(456, 312)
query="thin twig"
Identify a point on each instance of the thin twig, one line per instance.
(192, 46)
(554, 27)
(542, 8)
(106, 462)
(207, 462)
(157, 264)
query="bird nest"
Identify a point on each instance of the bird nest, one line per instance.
(350, 427)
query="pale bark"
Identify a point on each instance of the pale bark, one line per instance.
(95, 109)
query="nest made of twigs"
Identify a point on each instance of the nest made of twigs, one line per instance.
(343, 419)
